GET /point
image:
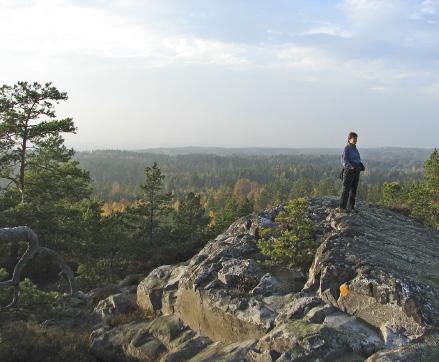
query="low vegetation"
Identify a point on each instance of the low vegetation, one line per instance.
(418, 199)
(291, 241)
(29, 341)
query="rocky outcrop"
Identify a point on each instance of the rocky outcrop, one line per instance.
(389, 265)
(116, 304)
(425, 351)
(370, 293)
(156, 293)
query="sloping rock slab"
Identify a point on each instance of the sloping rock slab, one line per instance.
(389, 263)
(156, 290)
(111, 344)
(219, 351)
(427, 351)
(219, 323)
(303, 339)
(225, 304)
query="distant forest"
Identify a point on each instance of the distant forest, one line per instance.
(219, 173)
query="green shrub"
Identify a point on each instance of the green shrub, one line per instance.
(394, 197)
(49, 303)
(292, 239)
(5, 294)
(3, 274)
(93, 274)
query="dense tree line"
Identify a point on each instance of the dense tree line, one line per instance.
(260, 181)
(117, 174)
(112, 213)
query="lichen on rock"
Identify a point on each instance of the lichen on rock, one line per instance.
(226, 304)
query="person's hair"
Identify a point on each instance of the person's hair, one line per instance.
(351, 135)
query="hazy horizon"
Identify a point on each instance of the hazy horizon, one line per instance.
(280, 74)
(334, 149)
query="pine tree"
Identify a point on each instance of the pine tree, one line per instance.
(154, 204)
(227, 215)
(191, 219)
(393, 195)
(46, 189)
(431, 177)
(423, 197)
(431, 173)
(292, 240)
(28, 127)
(246, 207)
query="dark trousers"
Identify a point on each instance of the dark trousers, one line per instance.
(350, 185)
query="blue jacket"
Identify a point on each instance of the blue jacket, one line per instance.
(350, 157)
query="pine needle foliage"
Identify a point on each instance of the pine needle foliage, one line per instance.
(292, 240)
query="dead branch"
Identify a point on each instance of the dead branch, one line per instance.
(24, 233)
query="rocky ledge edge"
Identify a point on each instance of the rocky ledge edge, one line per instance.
(225, 304)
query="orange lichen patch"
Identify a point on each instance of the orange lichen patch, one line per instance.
(344, 290)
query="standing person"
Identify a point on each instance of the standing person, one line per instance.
(352, 166)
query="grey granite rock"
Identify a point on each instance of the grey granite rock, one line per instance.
(116, 304)
(227, 304)
(370, 252)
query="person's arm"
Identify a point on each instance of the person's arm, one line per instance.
(346, 158)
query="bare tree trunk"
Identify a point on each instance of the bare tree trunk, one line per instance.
(26, 234)
(13, 257)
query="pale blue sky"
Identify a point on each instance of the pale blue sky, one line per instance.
(232, 73)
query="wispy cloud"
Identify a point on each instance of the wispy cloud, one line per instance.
(328, 29)
(361, 10)
(429, 7)
(305, 58)
(59, 28)
(428, 11)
